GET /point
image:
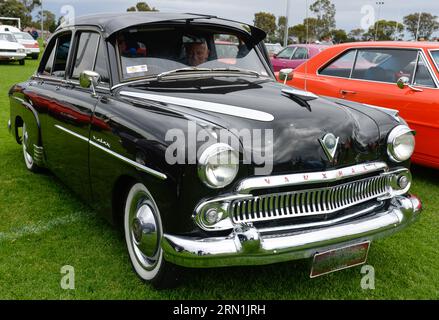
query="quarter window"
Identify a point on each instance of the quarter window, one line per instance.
(340, 67)
(85, 53)
(422, 76)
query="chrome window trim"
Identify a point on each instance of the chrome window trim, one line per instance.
(318, 69)
(247, 185)
(63, 81)
(138, 166)
(354, 64)
(418, 57)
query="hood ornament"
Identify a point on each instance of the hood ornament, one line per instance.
(329, 144)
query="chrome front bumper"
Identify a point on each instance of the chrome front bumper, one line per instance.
(247, 246)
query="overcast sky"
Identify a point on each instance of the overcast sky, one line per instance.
(349, 12)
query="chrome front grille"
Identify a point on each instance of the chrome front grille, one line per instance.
(310, 202)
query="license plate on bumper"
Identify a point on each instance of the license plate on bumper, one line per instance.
(339, 259)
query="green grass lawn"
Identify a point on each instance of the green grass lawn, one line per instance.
(43, 227)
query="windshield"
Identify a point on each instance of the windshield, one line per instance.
(23, 36)
(7, 37)
(146, 52)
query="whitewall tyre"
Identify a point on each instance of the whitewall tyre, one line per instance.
(143, 231)
(28, 159)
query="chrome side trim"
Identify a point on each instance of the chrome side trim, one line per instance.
(205, 106)
(138, 166)
(247, 185)
(72, 133)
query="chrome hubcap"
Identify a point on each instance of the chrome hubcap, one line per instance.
(144, 231)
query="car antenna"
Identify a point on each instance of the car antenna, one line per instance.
(307, 46)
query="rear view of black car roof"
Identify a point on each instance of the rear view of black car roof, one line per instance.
(110, 23)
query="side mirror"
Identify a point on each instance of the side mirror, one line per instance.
(274, 55)
(286, 75)
(89, 79)
(405, 82)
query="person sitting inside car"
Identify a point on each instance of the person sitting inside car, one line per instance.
(197, 51)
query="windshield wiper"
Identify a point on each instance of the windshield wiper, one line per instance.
(205, 72)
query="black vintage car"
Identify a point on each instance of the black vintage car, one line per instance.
(131, 110)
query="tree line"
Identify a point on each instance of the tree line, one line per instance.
(322, 25)
(25, 9)
(319, 26)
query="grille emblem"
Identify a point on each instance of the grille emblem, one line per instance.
(329, 144)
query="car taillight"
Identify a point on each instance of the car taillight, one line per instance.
(35, 45)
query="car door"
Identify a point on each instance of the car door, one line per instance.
(331, 78)
(66, 138)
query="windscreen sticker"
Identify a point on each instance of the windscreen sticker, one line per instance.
(137, 69)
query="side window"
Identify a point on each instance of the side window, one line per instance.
(300, 54)
(340, 67)
(384, 65)
(61, 55)
(47, 63)
(286, 53)
(101, 65)
(422, 76)
(85, 53)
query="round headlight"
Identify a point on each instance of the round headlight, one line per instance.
(401, 143)
(218, 165)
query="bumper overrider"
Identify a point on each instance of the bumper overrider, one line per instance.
(248, 244)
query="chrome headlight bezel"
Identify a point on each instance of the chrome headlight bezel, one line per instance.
(392, 148)
(204, 165)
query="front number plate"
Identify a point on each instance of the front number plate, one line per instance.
(338, 259)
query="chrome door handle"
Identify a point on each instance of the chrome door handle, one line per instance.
(345, 92)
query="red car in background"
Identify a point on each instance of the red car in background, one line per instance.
(396, 75)
(294, 55)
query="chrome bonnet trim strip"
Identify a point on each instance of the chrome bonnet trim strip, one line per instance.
(138, 166)
(205, 106)
(247, 185)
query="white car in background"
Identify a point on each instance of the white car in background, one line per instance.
(31, 45)
(273, 48)
(10, 49)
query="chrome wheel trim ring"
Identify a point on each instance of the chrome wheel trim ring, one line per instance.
(28, 160)
(141, 206)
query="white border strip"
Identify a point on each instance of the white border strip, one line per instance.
(204, 105)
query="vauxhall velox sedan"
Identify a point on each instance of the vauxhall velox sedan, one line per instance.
(128, 110)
